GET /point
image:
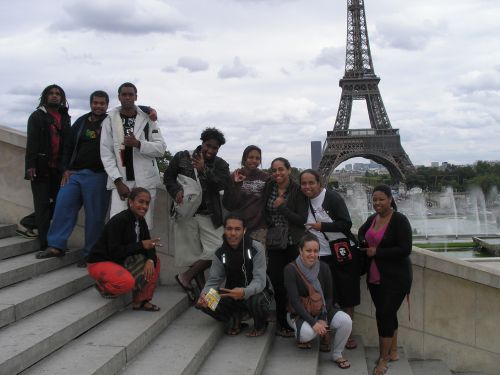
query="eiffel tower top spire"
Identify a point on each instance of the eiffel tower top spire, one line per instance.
(358, 61)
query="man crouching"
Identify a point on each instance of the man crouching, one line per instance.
(242, 263)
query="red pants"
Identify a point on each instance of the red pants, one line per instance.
(116, 280)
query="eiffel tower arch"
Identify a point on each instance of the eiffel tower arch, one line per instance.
(381, 143)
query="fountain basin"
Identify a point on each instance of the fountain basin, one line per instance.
(490, 244)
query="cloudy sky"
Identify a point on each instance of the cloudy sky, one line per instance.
(265, 72)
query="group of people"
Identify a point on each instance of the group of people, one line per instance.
(267, 240)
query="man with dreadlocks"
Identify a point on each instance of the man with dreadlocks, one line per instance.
(47, 141)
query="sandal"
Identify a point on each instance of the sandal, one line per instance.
(351, 343)
(285, 332)
(304, 345)
(380, 368)
(393, 356)
(256, 332)
(50, 252)
(188, 289)
(146, 306)
(325, 344)
(343, 363)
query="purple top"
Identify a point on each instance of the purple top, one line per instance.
(373, 238)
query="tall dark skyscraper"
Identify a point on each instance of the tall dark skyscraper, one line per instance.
(315, 154)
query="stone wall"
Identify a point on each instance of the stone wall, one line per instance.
(454, 309)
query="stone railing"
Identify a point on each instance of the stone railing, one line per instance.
(454, 309)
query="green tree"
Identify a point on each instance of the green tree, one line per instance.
(164, 161)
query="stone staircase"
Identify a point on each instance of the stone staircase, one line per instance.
(53, 322)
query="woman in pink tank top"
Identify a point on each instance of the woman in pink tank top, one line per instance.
(387, 236)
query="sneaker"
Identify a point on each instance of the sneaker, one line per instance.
(28, 233)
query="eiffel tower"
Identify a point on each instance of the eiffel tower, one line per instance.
(380, 143)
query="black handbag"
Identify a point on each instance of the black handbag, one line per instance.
(277, 238)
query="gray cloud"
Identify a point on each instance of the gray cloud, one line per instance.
(237, 70)
(477, 82)
(137, 17)
(333, 56)
(169, 69)
(193, 64)
(406, 36)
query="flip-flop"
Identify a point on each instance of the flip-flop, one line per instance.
(188, 289)
(255, 333)
(343, 363)
(304, 345)
(351, 343)
(285, 332)
(49, 253)
(152, 307)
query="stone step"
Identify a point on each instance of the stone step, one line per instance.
(7, 230)
(181, 348)
(26, 266)
(107, 347)
(285, 358)
(429, 367)
(357, 358)
(27, 297)
(14, 246)
(239, 354)
(27, 341)
(400, 367)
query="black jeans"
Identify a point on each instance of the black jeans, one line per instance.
(257, 306)
(44, 190)
(277, 260)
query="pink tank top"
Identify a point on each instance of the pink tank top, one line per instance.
(373, 238)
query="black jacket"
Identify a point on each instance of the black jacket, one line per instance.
(295, 209)
(336, 208)
(118, 240)
(38, 143)
(393, 252)
(213, 179)
(76, 131)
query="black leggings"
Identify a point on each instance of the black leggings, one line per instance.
(278, 259)
(387, 303)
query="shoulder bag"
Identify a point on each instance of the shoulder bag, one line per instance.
(192, 196)
(340, 247)
(313, 303)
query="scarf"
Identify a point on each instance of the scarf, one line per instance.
(311, 275)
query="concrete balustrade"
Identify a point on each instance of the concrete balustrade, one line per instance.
(454, 304)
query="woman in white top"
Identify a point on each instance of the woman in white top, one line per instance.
(329, 220)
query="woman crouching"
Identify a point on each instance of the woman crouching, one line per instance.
(308, 281)
(124, 258)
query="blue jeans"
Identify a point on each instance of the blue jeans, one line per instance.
(84, 187)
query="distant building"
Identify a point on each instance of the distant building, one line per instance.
(315, 154)
(435, 164)
(348, 167)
